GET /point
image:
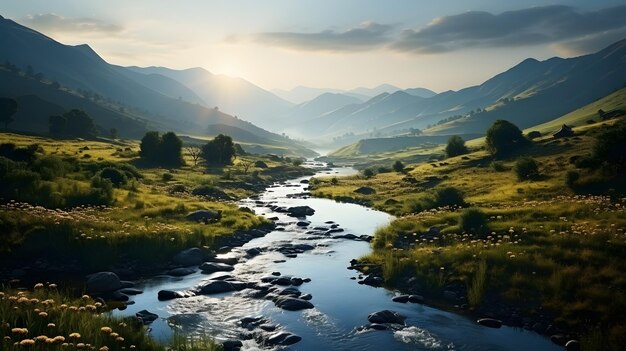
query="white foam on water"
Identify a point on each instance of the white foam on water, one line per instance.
(419, 336)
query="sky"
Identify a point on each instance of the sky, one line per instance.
(281, 44)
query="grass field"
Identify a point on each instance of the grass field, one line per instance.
(550, 250)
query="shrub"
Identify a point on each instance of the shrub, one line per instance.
(498, 166)
(367, 173)
(610, 148)
(116, 177)
(50, 167)
(526, 168)
(571, 177)
(533, 135)
(586, 162)
(449, 196)
(398, 167)
(473, 220)
(456, 146)
(166, 150)
(167, 177)
(383, 169)
(219, 151)
(297, 162)
(334, 181)
(504, 138)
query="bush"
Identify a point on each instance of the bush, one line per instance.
(533, 135)
(117, 177)
(456, 146)
(383, 169)
(166, 150)
(498, 166)
(398, 167)
(504, 138)
(449, 196)
(167, 177)
(473, 220)
(297, 162)
(586, 162)
(50, 167)
(367, 173)
(526, 168)
(219, 151)
(610, 148)
(571, 177)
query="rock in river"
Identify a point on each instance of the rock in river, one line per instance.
(386, 316)
(283, 339)
(189, 257)
(210, 267)
(181, 271)
(232, 345)
(221, 286)
(146, 317)
(300, 211)
(292, 303)
(103, 282)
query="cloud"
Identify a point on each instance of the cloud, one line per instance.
(539, 25)
(52, 23)
(366, 36)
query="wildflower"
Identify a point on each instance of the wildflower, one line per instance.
(63, 306)
(59, 339)
(52, 286)
(80, 345)
(27, 342)
(51, 325)
(106, 330)
(85, 297)
(104, 348)
(115, 335)
(75, 335)
(119, 339)
(43, 314)
(38, 286)
(41, 338)
(21, 331)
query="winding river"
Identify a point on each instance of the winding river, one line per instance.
(341, 305)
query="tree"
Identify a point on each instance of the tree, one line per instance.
(610, 148)
(56, 126)
(171, 150)
(149, 146)
(398, 167)
(195, 153)
(526, 168)
(79, 124)
(219, 151)
(503, 138)
(8, 107)
(456, 146)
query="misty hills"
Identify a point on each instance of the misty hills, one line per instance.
(233, 95)
(302, 94)
(529, 93)
(113, 95)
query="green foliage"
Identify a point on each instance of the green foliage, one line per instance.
(297, 162)
(72, 124)
(8, 107)
(504, 138)
(533, 135)
(398, 167)
(571, 177)
(449, 196)
(456, 146)
(526, 168)
(166, 150)
(367, 173)
(476, 290)
(498, 166)
(610, 148)
(166, 177)
(19, 154)
(219, 151)
(473, 220)
(117, 177)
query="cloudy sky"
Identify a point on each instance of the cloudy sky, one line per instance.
(440, 45)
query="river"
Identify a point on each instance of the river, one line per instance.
(341, 305)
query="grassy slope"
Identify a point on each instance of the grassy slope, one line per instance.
(146, 222)
(552, 247)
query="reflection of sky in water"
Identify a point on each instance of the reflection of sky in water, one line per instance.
(341, 305)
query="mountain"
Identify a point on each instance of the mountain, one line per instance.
(421, 92)
(529, 93)
(371, 92)
(232, 95)
(302, 94)
(84, 74)
(317, 107)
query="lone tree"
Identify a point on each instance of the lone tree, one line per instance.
(219, 151)
(8, 107)
(195, 153)
(398, 167)
(72, 124)
(504, 138)
(526, 168)
(610, 149)
(456, 146)
(163, 150)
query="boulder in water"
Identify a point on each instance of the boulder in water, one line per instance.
(189, 257)
(103, 282)
(386, 316)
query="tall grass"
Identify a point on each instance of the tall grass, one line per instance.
(476, 290)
